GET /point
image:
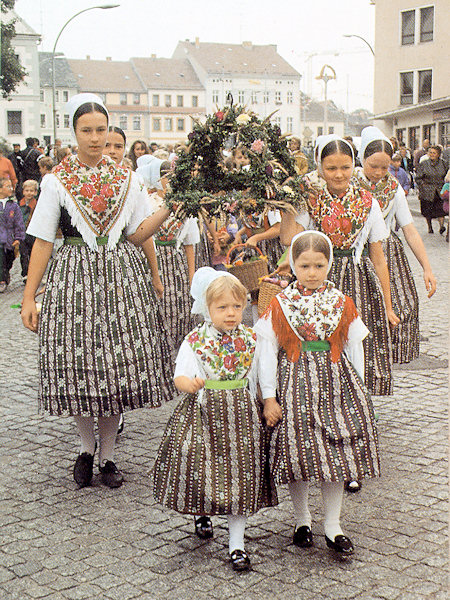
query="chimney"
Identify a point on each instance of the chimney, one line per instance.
(197, 42)
(108, 58)
(88, 57)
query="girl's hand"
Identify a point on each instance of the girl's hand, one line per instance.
(237, 239)
(272, 412)
(158, 287)
(195, 384)
(252, 241)
(430, 282)
(29, 315)
(15, 244)
(392, 318)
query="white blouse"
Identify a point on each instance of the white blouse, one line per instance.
(399, 214)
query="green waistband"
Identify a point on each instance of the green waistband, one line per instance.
(165, 242)
(226, 384)
(315, 346)
(78, 241)
(348, 252)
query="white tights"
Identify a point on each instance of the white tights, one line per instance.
(332, 494)
(236, 528)
(107, 432)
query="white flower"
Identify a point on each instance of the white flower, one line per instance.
(289, 191)
(243, 119)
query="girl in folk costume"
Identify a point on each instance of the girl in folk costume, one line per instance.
(263, 230)
(310, 342)
(98, 351)
(211, 458)
(348, 214)
(375, 154)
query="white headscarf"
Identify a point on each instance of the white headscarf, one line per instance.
(151, 172)
(145, 159)
(324, 140)
(302, 233)
(369, 135)
(78, 100)
(201, 281)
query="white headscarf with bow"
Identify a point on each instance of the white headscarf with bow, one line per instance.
(369, 135)
(78, 100)
(201, 281)
(322, 142)
(318, 233)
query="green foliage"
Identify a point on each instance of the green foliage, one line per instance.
(12, 72)
(203, 184)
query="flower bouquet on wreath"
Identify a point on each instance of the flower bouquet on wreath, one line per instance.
(204, 183)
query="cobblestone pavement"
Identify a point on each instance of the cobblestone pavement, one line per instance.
(61, 543)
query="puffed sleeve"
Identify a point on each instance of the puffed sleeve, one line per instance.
(376, 227)
(143, 205)
(274, 217)
(186, 364)
(266, 356)
(354, 349)
(304, 219)
(45, 220)
(402, 213)
(191, 233)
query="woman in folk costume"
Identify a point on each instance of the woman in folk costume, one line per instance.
(98, 352)
(375, 153)
(312, 359)
(175, 244)
(211, 458)
(352, 219)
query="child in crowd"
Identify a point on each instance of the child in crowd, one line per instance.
(12, 230)
(211, 458)
(312, 357)
(27, 205)
(45, 165)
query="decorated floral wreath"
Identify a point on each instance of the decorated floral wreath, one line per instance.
(203, 184)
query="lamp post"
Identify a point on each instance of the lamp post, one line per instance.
(350, 35)
(326, 78)
(102, 6)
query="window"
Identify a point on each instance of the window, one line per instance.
(167, 100)
(168, 124)
(66, 96)
(241, 96)
(195, 101)
(155, 99)
(215, 96)
(277, 121)
(41, 96)
(67, 121)
(180, 124)
(330, 130)
(42, 120)
(137, 123)
(408, 26)
(277, 97)
(266, 97)
(157, 124)
(413, 136)
(254, 98)
(289, 124)
(123, 122)
(426, 24)
(290, 97)
(425, 84)
(320, 130)
(123, 99)
(400, 134)
(406, 87)
(180, 101)
(14, 122)
(428, 132)
(57, 96)
(57, 119)
(136, 99)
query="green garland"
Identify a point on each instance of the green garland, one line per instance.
(201, 184)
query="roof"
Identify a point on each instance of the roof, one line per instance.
(245, 58)
(21, 27)
(64, 76)
(166, 73)
(105, 76)
(315, 111)
(436, 104)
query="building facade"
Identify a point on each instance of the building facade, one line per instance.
(412, 85)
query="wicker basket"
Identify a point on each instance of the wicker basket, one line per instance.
(249, 273)
(267, 292)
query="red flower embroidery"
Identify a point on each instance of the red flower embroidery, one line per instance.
(346, 225)
(239, 345)
(107, 191)
(230, 362)
(193, 337)
(99, 204)
(226, 339)
(87, 190)
(329, 224)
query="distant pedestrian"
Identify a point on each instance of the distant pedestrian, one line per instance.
(138, 148)
(27, 205)
(12, 230)
(30, 156)
(430, 177)
(7, 169)
(399, 173)
(420, 152)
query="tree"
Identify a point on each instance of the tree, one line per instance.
(11, 71)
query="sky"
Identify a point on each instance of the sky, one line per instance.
(308, 34)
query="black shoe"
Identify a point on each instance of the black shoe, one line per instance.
(203, 527)
(111, 476)
(352, 486)
(240, 560)
(340, 544)
(303, 537)
(442, 229)
(83, 469)
(430, 229)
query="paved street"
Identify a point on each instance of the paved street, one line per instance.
(61, 543)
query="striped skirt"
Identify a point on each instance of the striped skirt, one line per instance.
(405, 302)
(176, 302)
(203, 254)
(212, 458)
(273, 250)
(361, 283)
(102, 340)
(328, 431)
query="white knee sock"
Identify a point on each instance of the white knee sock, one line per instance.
(332, 494)
(236, 528)
(299, 491)
(107, 432)
(85, 426)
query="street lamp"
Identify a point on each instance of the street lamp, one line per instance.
(350, 35)
(103, 7)
(326, 78)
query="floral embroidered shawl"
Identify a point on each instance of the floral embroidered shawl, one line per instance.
(384, 191)
(98, 193)
(223, 355)
(340, 218)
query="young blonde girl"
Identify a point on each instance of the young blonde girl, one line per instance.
(211, 458)
(311, 356)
